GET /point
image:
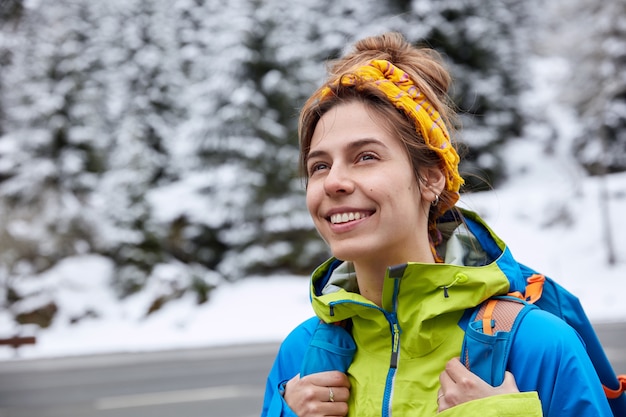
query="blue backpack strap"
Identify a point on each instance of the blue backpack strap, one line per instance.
(489, 334)
(332, 348)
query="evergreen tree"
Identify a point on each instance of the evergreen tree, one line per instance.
(208, 145)
(162, 135)
(600, 80)
(138, 84)
(48, 168)
(483, 46)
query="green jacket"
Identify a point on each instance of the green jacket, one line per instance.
(403, 346)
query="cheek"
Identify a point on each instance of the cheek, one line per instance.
(396, 185)
(403, 191)
(312, 199)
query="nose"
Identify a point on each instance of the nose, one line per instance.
(338, 181)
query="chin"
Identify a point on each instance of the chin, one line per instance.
(350, 251)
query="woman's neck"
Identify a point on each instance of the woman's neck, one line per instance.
(370, 274)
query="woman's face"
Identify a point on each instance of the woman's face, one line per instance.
(362, 191)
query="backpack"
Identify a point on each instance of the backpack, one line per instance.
(491, 329)
(493, 324)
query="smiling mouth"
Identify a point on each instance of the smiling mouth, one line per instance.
(339, 218)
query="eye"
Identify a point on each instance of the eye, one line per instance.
(367, 156)
(316, 167)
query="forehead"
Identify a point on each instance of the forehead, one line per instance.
(351, 121)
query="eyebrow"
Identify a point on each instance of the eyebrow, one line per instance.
(352, 146)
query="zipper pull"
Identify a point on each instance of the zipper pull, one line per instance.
(396, 346)
(460, 278)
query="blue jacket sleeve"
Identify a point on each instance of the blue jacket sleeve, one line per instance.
(549, 357)
(287, 365)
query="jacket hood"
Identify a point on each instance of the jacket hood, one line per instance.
(421, 297)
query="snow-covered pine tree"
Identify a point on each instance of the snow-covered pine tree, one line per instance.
(167, 129)
(600, 80)
(138, 87)
(597, 91)
(49, 162)
(483, 43)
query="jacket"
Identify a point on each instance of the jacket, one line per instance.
(403, 345)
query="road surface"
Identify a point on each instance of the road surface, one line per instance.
(213, 382)
(220, 382)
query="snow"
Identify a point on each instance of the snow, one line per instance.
(568, 246)
(235, 314)
(549, 212)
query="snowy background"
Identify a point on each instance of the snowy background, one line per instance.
(568, 245)
(139, 209)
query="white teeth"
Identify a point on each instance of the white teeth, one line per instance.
(346, 217)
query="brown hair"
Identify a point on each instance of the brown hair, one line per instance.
(427, 71)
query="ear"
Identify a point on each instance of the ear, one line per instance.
(433, 182)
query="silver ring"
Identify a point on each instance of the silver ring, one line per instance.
(439, 397)
(331, 395)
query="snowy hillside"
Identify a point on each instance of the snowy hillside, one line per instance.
(550, 219)
(147, 154)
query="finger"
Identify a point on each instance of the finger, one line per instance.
(336, 409)
(441, 402)
(328, 379)
(460, 374)
(340, 394)
(445, 381)
(335, 402)
(509, 382)
(455, 369)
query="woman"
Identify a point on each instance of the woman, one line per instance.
(382, 183)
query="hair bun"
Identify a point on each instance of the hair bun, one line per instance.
(392, 45)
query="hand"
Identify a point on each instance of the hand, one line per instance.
(459, 385)
(320, 394)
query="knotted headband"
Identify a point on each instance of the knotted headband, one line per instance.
(405, 96)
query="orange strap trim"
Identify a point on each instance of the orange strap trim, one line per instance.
(534, 289)
(614, 393)
(517, 294)
(487, 317)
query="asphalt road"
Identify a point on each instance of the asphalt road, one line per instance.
(219, 382)
(215, 382)
(613, 338)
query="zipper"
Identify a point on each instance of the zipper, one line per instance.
(395, 273)
(395, 331)
(393, 363)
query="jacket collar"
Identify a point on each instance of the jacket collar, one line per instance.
(417, 295)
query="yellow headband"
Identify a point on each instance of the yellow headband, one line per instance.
(404, 95)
